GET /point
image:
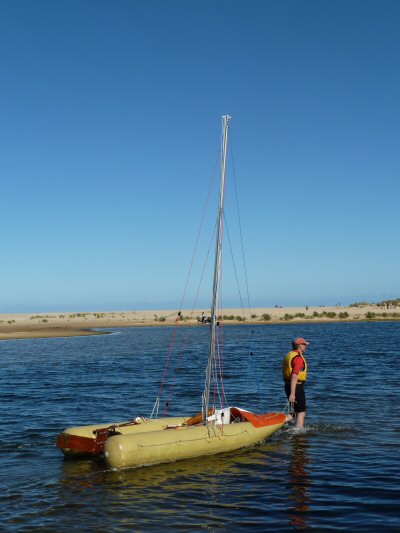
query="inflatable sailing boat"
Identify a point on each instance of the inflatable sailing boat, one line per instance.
(143, 442)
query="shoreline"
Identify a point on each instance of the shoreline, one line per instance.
(48, 325)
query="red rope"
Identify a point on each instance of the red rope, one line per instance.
(174, 333)
(169, 354)
(172, 342)
(202, 272)
(222, 364)
(215, 370)
(200, 228)
(173, 380)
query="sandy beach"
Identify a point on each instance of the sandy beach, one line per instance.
(20, 326)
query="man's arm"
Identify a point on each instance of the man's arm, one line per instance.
(293, 383)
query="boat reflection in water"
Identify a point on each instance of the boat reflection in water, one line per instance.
(185, 494)
(134, 483)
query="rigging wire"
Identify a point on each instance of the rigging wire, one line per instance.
(204, 267)
(250, 371)
(185, 339)
(200, 228)
(240, 227)
(221, 352)
(251, 365)
(169, 354)
(218, 370)
(234, 268)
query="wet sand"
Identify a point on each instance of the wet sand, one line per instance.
(22, 326)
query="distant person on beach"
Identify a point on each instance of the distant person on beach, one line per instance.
(203, 317)
(294, 369)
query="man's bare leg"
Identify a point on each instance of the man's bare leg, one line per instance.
(300, 420)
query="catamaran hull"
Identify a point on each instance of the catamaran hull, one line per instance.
(173, 444)
(81, 441)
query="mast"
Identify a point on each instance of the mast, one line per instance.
(226, 119)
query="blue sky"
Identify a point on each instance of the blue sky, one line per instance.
(110, 129)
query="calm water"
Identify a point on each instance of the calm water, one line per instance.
(341, 474)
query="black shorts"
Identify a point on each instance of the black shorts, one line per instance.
(300, 401)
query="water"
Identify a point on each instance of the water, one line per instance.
(342, 473)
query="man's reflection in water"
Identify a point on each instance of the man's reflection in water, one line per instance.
(299, 483)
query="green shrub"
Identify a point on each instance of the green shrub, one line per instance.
(266, 316)
(344, 314)
(288, 317)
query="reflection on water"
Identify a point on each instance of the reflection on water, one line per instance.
(203, 492)
(299, 480)
(196, 474)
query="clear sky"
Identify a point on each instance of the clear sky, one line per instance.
(110, 128)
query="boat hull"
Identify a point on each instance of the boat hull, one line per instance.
(83, 441)
(184, 442)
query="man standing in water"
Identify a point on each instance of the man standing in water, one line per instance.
(294, 369)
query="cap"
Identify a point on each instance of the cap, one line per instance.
(300, 340)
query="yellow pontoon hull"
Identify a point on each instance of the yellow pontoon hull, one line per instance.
(184, 442)
(89, 440)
